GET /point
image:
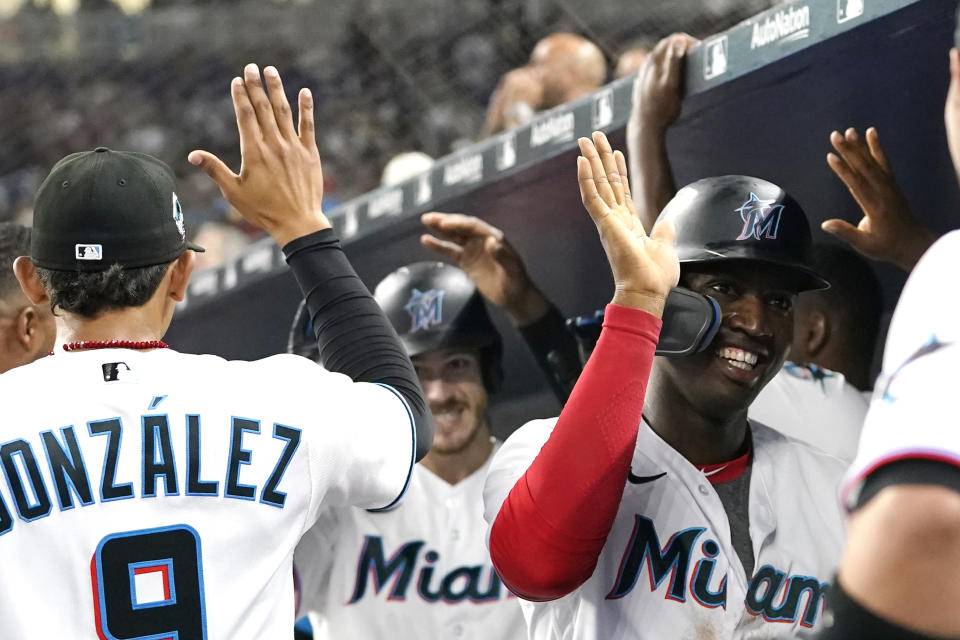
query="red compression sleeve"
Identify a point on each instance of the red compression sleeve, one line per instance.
(547, 536)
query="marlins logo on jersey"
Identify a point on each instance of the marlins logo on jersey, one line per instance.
(760, 219)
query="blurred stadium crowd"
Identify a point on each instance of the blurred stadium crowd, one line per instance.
(394, 77)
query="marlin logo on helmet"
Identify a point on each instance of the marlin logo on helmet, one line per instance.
(178, 216)
(425, 308)
(760, 219)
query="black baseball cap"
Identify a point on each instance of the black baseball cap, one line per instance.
(99, 208)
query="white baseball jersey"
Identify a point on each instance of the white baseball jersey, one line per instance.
(421, 570)
(814, 405)
(913, 411)
(148, 494)
(669, 569)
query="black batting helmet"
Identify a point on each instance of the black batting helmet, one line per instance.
(433, 305)
(743, 218)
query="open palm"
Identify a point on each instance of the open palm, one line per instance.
(888, 230)
(645, 267)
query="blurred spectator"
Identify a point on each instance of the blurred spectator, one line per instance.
(404, 165)
(515, 100)
(223, 242)
(562, 67)
(630, 60)
(571, 67)
(391, 76)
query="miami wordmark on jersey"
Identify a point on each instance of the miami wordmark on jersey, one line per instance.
(420, 570)
(669, 569)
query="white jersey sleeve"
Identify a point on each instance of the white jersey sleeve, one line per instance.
(369, 437)
(912, 414)
(314, 558)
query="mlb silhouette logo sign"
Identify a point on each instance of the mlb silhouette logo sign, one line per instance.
(603, 109)
(507, 152)
(350, 223)
(848, 10)
(715, 58)
(89, 252)
(424, 189)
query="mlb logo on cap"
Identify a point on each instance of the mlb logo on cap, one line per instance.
(89, 252)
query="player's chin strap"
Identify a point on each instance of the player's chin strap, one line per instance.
(690, 321)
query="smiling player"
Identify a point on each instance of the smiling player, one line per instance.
(422, 570)
(659, 510)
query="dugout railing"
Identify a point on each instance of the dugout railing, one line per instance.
(762, 98)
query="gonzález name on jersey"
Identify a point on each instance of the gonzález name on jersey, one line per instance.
(77, 474)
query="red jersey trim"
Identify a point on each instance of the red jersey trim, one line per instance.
(894, 456)
(726, 471)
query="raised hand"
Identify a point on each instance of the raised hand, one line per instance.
(481, 250)
(645, 267)
(657, 99)
(515, 101)
(280, 185)
(888, 230)
(658, 91)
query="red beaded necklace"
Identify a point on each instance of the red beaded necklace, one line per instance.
(114, 344)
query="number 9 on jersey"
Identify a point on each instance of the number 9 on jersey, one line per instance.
(148, 585)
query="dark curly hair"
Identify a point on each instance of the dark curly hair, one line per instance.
(89, 294)
(14, 242)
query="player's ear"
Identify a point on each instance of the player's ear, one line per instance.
(36, 330)
(180, 271)
(816, 332)
(26, 274)
(27, 325)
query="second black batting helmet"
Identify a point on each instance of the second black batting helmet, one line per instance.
(433, 305)
(743, 218)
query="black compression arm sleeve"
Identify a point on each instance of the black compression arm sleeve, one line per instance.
(354, 336)
(555, 350)
(846, 619)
